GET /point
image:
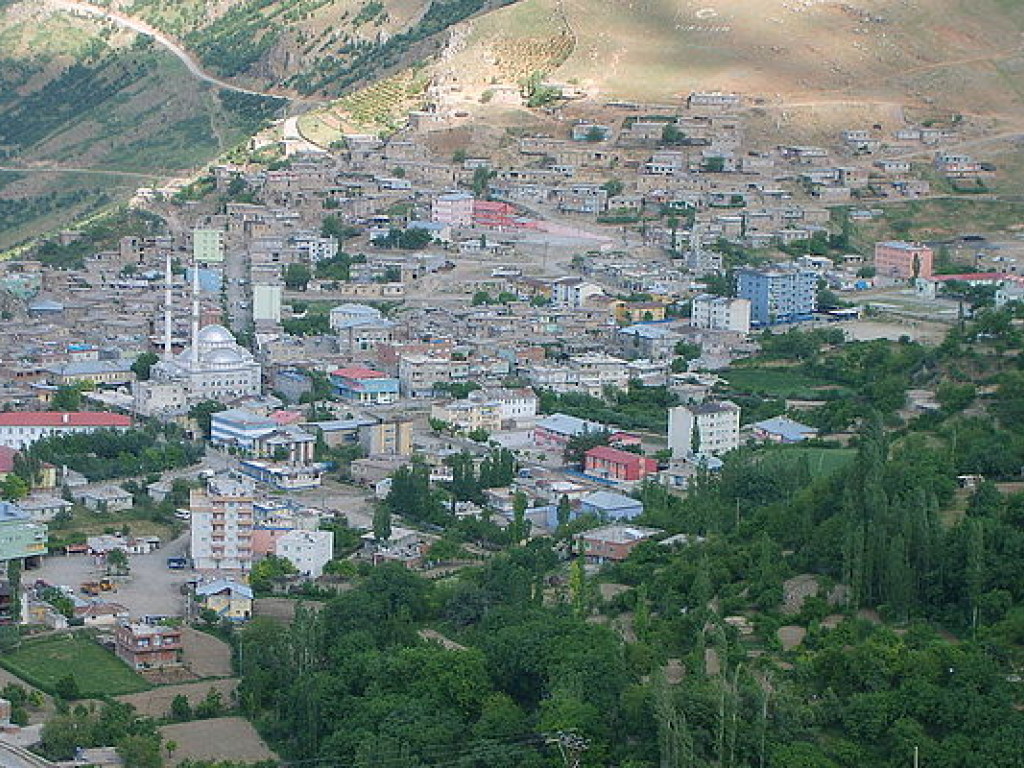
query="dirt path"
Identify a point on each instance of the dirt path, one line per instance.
(172, 45)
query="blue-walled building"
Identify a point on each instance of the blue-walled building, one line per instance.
(780, 295)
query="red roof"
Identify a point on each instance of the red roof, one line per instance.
(608, 453)
(359, 372)
(63, 419)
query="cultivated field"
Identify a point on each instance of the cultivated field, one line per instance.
(222, 738)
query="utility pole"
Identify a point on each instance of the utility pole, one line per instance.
(571, 747)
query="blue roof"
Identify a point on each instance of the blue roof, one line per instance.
(607, 500)
(786, 428)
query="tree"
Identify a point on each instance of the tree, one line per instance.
(268, 571)
(297, 277)
(203, 412)
(381, 523)
(564, 511)
(613, 187)
(13, 488)
(181, 710)
(117, 561)
(66, 399)
(140, 751)
(142, 365)
(67, 688)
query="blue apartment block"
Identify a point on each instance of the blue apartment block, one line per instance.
(780, 295)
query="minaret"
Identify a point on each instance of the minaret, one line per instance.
(195, 314)
(168, 297)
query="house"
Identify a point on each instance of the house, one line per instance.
(365, 385)
(405, 546)
(573, 292)
(100, 613)
(48, 472)
(98, 373)
(557, 430)
(614, 464)
(228, 599)
(43, 508)
(611, 506)
(612, 543)
(19, 429)
(716, 425)
(144, 646)
(782, 429)
(104, 498)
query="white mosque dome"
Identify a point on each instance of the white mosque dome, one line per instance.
(223, 356)
(215, 335)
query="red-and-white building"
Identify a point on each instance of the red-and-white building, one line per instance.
(610, 463)
(903, 261)
(19, 429)
(142, 646)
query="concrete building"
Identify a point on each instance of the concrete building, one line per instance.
(360, 327)
(418, 375)
(308, 551)
(365, 385)
(469, 414)
(20, 537)
(19, 429)
(782, 295)
(147, 646)
(452, 208)
(899, 260)
(99, 373)
(222, 524)
(573, 292)
(613, 543)
(392, 437)
(266, 303)
(717, 426)
(555, 431)
(616, 465)
(208, 245)
(719, 313)
(240, 428)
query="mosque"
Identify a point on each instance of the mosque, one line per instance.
(211, 367)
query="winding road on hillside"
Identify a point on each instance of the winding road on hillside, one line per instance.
(172, 45)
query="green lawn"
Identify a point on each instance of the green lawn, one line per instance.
(97, 671)
(779, 382)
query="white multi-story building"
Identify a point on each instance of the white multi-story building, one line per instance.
(717, 426)
(518, 405)
(19, 429)
(222, 524)
(308, 551)
(719, 313)
(573, 292)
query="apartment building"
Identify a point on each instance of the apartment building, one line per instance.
(716, 425)
(222, 524)
(900, 260)
(719, 313)
(782, 295)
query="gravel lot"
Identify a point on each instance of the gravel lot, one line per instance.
(149, 589)
(223, 738)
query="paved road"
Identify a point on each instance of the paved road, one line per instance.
(16, 757)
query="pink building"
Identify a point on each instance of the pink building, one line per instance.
(613, 464)
(903, 261)
(453, 208)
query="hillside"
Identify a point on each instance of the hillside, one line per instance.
(942, 56)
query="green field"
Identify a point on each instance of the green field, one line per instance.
(97, 671)
(822, 461)
(780, 383)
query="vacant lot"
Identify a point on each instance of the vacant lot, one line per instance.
(821, 461)
(97, 671)
(223, 738)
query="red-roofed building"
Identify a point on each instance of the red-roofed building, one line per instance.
(19, 429)
(612, 464)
